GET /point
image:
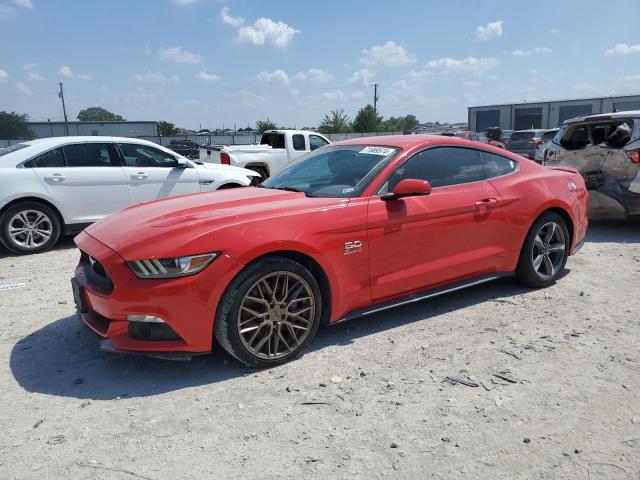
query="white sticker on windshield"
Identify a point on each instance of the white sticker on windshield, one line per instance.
(384, 151)
(348, 190)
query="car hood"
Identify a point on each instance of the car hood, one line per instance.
(219, 168)
(199, 223)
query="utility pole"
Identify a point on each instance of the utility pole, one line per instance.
(375, 97)
(64, 110)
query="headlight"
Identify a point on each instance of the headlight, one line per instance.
(171, 267)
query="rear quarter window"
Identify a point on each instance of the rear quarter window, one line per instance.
(574, 136)
(497, 165)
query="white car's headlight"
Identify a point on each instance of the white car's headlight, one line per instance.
(171, 267)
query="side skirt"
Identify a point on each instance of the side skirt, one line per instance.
(422, 295)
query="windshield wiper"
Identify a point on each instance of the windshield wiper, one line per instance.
(289, 189)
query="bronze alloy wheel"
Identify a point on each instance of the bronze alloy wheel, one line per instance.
(276, 315)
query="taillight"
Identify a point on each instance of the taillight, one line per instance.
(634, 155)
(225, 159)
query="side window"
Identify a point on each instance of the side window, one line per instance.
(274, 140)
(441, 166)
(574, 137)
(88, 155)
(51, 159)
(298, 142)
(497, 165)
(315, 142)
(145, 156)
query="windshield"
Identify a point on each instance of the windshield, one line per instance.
(334, 171)
(12, 148)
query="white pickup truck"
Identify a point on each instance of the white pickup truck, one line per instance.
(277, 149)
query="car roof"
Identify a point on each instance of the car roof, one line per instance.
(410, 141)
(603, 116)
(57, 141)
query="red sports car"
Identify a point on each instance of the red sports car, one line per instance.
(352, 228)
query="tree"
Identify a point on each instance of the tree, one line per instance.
(166, 129)
(400, 124)
(335, 122)
(367, 120)
(13, 126)
(98, 114)
(264, 125)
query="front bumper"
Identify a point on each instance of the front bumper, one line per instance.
(187, 305)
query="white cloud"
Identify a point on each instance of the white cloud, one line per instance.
(278, 77)
(363, 76)
(35, 77)
(554, 31)
(314, 75)
(490, 30)
(404, 93)
(229, 20)
(65, 71)
(471, 84)
(84, 76)
(294, 92)
(184, 3)
(29, 65)
(178, 55)
(207, 77)
(23, 89)
(623, 49)
(518, 52)
(267, 32)
(469, 64)
(23, 3)
(389, 54)
(339, 95)
(154, 77)
(3, 75)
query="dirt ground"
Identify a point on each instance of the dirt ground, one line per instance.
(557, 396)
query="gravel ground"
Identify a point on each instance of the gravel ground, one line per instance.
(557, 396)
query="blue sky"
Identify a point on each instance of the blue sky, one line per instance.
(209, 62)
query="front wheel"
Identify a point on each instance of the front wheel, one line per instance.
(29, 227)
(545, 251)
(269, 312)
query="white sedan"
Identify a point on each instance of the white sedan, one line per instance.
(55, 186)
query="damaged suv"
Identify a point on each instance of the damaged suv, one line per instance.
(605, 148)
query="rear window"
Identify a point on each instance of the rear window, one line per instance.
(274, 140)
(12, 148)
(522, 136)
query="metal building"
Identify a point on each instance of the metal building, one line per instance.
(113, 129)
(547, 114)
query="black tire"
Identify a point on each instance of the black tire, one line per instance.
(545, 272)
(227, 321)
(31, 209)
(262, 172)
(229, 185)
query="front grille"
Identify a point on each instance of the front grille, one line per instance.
(97, 276)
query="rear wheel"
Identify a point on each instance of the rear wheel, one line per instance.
(545, 251)
(29, 227)
(261, 171)
(269, 312)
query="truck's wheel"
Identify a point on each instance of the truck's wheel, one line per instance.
(29, 227)
(269, 312)
(262, 172)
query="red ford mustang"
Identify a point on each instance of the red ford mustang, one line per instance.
(352, 228)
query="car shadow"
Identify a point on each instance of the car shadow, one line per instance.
(613, 231)
(64, 359)
(65, 243)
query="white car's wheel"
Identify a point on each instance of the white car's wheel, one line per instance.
(29, 227)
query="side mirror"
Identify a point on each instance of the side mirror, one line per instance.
(409, 187)
(181, 163)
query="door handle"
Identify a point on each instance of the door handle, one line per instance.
(139, 176)
(486, 203)
(55, 177)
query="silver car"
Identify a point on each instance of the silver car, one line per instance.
(525, 142)
(605, 148)
(546, 140)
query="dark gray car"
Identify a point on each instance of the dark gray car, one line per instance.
(605, 148)
(525, 142)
